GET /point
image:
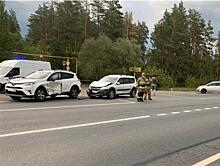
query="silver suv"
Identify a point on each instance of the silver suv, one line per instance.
(112, 86)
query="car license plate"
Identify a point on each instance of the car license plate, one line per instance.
(12, 90)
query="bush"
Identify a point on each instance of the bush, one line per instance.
(164, 80)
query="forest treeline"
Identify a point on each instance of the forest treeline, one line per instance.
(107, 41)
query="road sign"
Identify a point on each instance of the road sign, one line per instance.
(135, 69)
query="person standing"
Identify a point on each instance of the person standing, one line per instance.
(148, 87)
(154, 85)
(141, 87)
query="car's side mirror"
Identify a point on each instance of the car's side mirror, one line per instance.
(118, 83)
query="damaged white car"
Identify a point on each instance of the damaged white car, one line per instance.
(40, 84)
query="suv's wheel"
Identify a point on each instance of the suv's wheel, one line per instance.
(111, 94)
(133, 93)
(40, 94)
(74, 91)
(203, 91)
(15, 98)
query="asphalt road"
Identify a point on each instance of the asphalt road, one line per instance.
(175, 128)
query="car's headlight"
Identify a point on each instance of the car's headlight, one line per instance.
(29, 84)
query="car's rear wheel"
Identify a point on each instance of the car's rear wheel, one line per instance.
(133, 93)
(15, 98)
(73, 94)
(40, 94)
(111, 94)
(203, 91)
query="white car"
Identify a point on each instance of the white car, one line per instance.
(40, 84)
(213, 86)
(112, 86)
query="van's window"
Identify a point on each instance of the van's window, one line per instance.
(66, 75)
(14, 72)
(38, 75)
(126, 80)
(131, 80)
(121, 81)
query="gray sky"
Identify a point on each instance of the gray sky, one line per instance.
(143, 10)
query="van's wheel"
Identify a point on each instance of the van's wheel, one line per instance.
(133, 93)
(111, 94)
(15, 98)
(203, 91)
(73, 94)
(40, 94)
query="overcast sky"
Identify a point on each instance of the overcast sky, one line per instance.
(143, 10)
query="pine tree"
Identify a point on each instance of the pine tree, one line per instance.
(217, 69)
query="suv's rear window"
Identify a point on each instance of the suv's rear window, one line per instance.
(66, 75)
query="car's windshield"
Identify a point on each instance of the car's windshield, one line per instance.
(38, 75)
(108, 79)
(4, 70)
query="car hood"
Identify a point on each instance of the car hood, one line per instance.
(22, 80)
(100, 84)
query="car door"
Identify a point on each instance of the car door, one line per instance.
(54, 85)
(217, 87)
(67, 81)
(127, 86)
(120, 86)
(211, 87)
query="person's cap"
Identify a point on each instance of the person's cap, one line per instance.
(143, 74)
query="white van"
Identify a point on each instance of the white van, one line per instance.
(19, 68)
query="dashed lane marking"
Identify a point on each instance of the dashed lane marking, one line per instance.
(163, 114)
(207, 108)
(187, 111)
(198, 109)
(175, 112)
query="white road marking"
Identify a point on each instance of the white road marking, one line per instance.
(209, 98)
(73, 126)
(60, 107)
(207, 108)
(187, 111)
(208, 160)
(4, 101)
(198, 109)
(163, 114)
(215, 107)
(175, 112)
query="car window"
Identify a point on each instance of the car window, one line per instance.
(121, 81)
(217, 84)
(126, 80)
(54, 77)
(131, 80)
(67, 75)
(14, 72)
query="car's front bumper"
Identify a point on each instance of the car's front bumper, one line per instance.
(99, 93)
(19, 91)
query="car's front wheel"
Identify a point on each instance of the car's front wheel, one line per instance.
(133, 93)
(73, 94)
(40, 94)
(203, 91)
(15, 98)
(111, 94)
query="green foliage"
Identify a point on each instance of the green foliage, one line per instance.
(183, 45)
(164, 80)
(10, 37)
(102, 56)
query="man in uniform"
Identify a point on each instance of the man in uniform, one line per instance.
(148, 87)
(141, 85)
